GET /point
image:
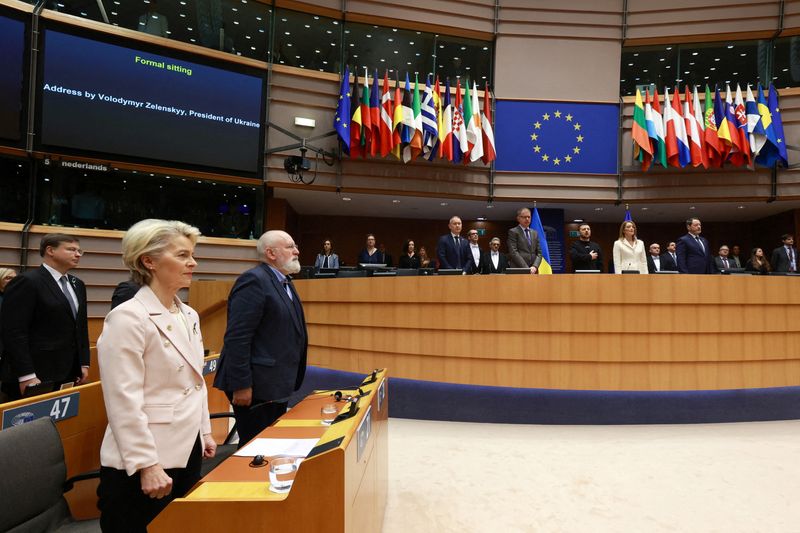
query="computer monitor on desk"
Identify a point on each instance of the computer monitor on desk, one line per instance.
(371, 266)
(450, 272)
(587, 271)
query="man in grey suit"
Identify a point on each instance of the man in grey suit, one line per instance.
(723, 262)
(263, 357)
(523, 243)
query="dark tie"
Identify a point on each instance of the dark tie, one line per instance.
(528, 236)
(65, 290)
(325, 262)
(287, 284)
(725, 262)
(700, 243)
(455, 240)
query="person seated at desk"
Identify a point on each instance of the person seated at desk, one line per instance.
(409, 258)
(758, 262)
(424, 260)
(629, 250)
(370, 254)
(326, 258)
(150, 354)
(722, 262)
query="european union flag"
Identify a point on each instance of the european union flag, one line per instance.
(560, 137)
(341, 121)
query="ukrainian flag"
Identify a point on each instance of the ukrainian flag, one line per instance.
(536, 224)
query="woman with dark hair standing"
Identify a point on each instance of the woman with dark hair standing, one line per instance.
(409, 258)
(758, 262)
(326, 258)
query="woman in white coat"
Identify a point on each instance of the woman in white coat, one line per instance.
(151, 366)
(628, 250)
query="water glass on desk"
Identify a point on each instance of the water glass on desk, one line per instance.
(281, 473)
(328, 413)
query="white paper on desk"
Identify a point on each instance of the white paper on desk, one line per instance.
(273, 447)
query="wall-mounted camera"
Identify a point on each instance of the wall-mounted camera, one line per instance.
(295, 164)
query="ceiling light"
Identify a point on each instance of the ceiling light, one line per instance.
(346, 198)
(443, 204)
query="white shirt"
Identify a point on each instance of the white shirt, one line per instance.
(496, 260)
(476, 253)
(656, 262)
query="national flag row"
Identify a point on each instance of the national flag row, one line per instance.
(426, 122)
(734, 130)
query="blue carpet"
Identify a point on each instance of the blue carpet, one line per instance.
(429, 400)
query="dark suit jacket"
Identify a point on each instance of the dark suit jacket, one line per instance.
(266, 340)
(719, 266)
(581, 260)
(40, 335)
(487, 267)
(449, 256)
(473, 268)
(124, 292)
(408, 262)
(691, 258)
(667, 263)
(520, 253)
(780, 259)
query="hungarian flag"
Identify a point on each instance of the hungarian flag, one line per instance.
(660, 144)
(475, 128)
(642, 147)
(446, 133)
(489, 151)
(714, 147)
(386, 118)
(375, 116)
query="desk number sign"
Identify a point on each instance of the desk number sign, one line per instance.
(58, 409)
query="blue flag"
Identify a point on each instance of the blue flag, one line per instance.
(560, 137)
(770, 152)
(341, 122)
(777, 124)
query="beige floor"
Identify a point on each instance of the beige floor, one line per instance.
(460, 477)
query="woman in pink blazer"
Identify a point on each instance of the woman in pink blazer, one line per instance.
(151, 366)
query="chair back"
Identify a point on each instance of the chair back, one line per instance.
(32, 475)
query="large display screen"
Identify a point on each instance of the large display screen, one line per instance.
(12, 54)
(101, 97)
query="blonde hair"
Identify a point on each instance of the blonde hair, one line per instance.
(5, 271)
(622, 229)
(151, 237)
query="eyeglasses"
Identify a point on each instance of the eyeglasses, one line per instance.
(74, 250)
(287, 247)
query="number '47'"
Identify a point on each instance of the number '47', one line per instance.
(60, 407)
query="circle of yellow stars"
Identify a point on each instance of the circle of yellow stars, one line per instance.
(554, 158)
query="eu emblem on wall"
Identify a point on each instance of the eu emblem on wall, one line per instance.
(561, 137)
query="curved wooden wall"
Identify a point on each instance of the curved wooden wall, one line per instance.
(589, 332)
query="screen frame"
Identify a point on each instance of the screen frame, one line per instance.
(159, 165)
(23, 17)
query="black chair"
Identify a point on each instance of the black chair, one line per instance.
(32, 481)
(224, 450)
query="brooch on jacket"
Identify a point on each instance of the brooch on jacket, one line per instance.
(194, 328)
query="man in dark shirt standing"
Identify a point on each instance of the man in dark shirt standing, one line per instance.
(586, 254)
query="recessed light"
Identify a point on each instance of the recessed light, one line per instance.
(395, 201)
(443, 204)
(346, 198)
(692, 208)
(645, 208)
(740, 207)
(598, 208)
(578, 220)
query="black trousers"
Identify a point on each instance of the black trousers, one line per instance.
(250, 421)
(125, 508)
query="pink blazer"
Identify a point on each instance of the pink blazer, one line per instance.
(153, 387)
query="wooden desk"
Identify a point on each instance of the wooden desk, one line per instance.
(336, 491)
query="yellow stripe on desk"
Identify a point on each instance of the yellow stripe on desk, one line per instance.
(239, 490)
(297, 423)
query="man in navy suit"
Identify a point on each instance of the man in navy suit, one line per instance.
(784, 258)
(452, 249)
(45, 331)
(263, 359)
(694, 252)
